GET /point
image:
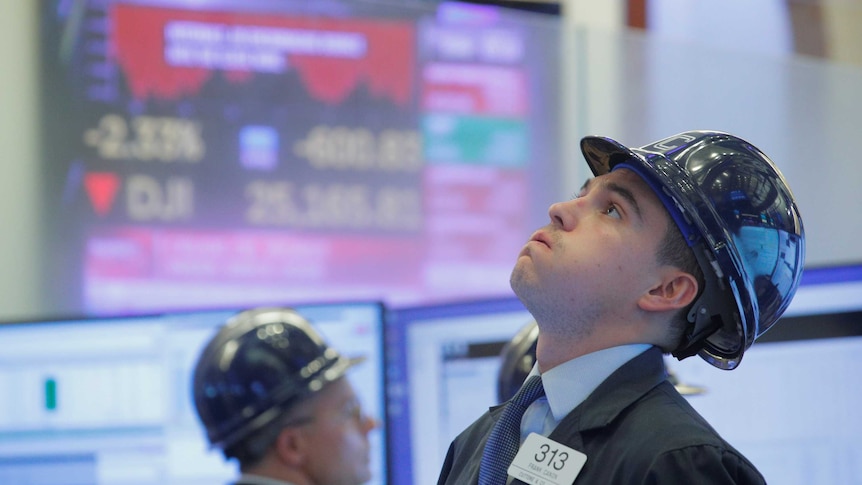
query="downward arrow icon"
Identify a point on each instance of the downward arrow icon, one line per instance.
(101, 189)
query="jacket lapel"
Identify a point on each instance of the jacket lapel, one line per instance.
(619, 391)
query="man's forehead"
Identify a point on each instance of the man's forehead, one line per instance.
(622, 177)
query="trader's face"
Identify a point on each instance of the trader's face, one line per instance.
(338, 449)
(598, 253)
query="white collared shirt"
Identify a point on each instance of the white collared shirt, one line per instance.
(260, 480)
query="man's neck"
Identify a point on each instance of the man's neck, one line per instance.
(551, 350)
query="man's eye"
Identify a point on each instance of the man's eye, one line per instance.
(613, 211)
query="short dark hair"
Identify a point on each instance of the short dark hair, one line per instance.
(674, 251)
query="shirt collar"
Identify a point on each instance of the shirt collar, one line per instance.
(249, 478)
(569, 383)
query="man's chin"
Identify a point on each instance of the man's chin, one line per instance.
(518, 279)
(514, 282)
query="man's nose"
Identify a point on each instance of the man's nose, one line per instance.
(564, 214)
(369, 423)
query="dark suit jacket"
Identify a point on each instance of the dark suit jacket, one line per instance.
(635, 428)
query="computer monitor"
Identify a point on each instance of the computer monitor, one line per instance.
(792, 405)
(442, 365)
(108, 400)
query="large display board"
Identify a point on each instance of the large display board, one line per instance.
(108, 400)
(249, 152)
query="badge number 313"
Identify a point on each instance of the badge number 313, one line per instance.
(542, 461)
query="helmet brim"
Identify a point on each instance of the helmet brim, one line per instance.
(603, 153)
(337, 370)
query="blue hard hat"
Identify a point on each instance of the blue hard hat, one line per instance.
(738, 215)
(258, 365)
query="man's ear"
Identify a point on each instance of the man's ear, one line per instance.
(290, 446)
(676, 290)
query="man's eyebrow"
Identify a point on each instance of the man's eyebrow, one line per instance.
(627, 195)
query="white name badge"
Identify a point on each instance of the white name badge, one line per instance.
(542, 461)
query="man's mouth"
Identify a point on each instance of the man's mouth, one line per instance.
(541, 237)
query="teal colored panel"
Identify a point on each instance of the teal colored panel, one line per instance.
(475, 140)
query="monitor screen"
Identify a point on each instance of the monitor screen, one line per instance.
(108, 400)
(442, 366)
(243, 152)
(792, 404)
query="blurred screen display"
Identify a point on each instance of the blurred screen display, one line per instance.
(442, 368)
(250, 152)
(109, 401)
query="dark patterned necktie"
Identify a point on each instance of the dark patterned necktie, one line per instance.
(505, 439)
